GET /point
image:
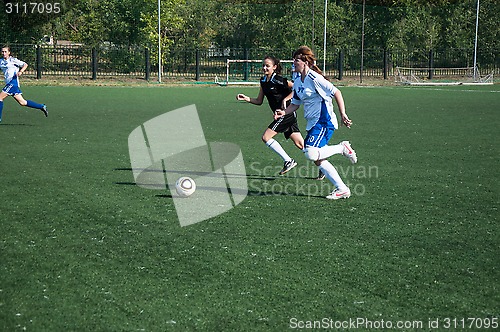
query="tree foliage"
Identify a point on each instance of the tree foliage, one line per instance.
(262, 24)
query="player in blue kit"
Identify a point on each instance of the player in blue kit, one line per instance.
(13, 69)
(316, 93)
(278, 91)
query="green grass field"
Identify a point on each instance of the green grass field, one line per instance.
(82, 248)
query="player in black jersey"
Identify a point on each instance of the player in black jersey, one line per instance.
(278, 91)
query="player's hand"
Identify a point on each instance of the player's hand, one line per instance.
(346, 121)
(242, 97)
(278, 114)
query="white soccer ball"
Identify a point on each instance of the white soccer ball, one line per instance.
(185, 186)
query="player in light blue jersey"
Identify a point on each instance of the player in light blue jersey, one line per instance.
(13, 68)
(296, 76)
(316, 93)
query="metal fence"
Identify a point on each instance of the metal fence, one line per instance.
(134, 62)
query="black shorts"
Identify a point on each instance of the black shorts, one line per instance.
(286, 125)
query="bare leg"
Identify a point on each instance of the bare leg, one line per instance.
(19, 98)
(298, 140)
(29, 103)
(268, 134)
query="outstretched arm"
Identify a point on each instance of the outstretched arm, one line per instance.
(255, 101)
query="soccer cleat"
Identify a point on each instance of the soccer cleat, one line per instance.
(349, 152)
(45, 111)
(338, 194)
(288, 166)
(321, 176)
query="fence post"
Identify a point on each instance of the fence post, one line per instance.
(386, 63)
(94, 63)
(431, 64)
(197, 78)
(341, 65)
(38, 62)
(245, 68)
(147, 64)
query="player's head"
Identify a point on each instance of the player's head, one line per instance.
(306, 55)
(5, 52)
(271, 64)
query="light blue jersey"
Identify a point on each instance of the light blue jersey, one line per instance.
(10, 67)
(316, 94)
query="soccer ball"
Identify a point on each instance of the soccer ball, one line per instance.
(185, 186)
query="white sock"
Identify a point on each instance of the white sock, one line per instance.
(331, 174)
(276, 147)
(329, 150)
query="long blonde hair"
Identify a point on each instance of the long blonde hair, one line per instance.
(305, 54)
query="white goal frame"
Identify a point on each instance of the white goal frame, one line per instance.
(228, 64)
(454, 76)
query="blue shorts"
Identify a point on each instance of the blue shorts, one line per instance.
(318, 136)
(12, 88)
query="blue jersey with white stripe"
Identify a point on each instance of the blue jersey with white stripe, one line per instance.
(316, 94)
(10, 67)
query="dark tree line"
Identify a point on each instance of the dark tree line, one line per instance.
(389, 24)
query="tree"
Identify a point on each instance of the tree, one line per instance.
(257, 24)
(22, 22)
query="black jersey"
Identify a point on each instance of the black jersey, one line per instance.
(275, 90)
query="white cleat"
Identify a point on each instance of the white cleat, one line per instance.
(349, 152)
(338, 194)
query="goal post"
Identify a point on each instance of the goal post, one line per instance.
(441, 76)
(248, 72)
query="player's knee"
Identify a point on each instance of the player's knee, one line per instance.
(311, 153)
(298, 141)
(268, 137)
